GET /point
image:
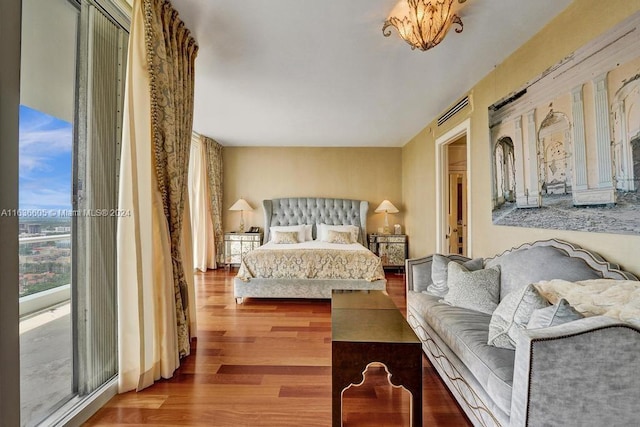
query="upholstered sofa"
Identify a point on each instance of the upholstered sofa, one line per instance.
(582, 373)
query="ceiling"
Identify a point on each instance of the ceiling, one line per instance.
(320, 73)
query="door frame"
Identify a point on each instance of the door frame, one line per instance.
(442, 186)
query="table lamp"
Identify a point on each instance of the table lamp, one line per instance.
(241, 205)
(386, 207)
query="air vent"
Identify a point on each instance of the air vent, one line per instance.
(452, 112)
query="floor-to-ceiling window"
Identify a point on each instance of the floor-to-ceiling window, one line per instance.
(73, 58)
(47, 110)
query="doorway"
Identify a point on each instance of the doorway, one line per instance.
(457, 235)
(453, 233)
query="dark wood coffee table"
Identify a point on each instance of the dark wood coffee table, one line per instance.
(367, 327)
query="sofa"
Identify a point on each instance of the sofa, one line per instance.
(585, 372)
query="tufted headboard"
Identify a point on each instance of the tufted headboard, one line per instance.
(311, 210)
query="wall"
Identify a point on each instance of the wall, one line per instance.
(9, 336)
(582, 21)
(258, 173)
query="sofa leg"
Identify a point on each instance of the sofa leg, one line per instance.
(239, 300)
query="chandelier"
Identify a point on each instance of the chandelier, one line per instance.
(423, 23)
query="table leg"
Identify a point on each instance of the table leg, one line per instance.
(403, 362)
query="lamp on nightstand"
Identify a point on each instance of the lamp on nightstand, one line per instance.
(241, 205)
(386, 207)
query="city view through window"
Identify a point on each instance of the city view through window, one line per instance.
(45, 201)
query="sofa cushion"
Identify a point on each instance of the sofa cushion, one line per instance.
(619, 299)
(554, 315)
(466, 334)
(439, 273)
(476, 290)
(530, 265)
(512, 315)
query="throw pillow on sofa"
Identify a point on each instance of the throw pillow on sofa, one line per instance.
(554, 315)
(512, 314)
(475, 290)
(619, 299)
(440, 276)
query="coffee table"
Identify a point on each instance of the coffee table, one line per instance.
(367, 327)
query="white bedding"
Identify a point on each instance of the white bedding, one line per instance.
(314, 244)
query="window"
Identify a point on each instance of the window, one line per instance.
(73, 56)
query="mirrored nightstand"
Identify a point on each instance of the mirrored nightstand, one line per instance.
(238, 244)
(391, 248)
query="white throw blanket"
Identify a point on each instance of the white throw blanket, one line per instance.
(619, 299)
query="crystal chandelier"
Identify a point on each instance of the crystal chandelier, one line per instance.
(423, 23)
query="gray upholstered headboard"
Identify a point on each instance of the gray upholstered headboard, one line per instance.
(311, 210)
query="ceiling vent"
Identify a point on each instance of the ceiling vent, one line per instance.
(453, 110)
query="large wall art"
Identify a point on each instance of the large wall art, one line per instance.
(566, 147)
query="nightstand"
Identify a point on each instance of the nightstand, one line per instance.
(391, 248)
(238, 244)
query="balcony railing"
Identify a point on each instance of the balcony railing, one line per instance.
(45, 272)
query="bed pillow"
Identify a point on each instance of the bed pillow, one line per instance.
(308, 232)
(288, 228)
(554, 315)
(475, 290)
(323, 230)
(439, 275)
(285, 237)
(341, 237)
(512, 315)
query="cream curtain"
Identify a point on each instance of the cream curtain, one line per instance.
(214, 175)
(204, 248)
(155, 298)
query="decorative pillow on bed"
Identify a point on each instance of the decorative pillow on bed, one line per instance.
(439, 275)
(475, 290)
(342, 237)
(285, 237)
(323, 230)
(288, 228)
(512, 315)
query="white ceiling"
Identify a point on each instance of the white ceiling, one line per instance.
(320, 73)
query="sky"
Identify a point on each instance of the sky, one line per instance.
(45, 161)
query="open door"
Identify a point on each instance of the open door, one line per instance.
(457, 235)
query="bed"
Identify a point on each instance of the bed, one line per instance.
(311, 269)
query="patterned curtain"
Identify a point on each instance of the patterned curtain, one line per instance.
(214, 174)
(170, 55)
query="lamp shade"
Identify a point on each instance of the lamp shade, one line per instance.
(241, 205)
(387, 206)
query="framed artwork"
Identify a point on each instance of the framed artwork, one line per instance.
(565, 149)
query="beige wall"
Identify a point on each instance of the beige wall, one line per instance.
(257, 173)
(582, 21)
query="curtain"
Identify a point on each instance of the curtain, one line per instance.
(153, 242)
(204, 249)
(214, 175)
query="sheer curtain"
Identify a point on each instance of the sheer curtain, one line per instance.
(204, 247)
(214, 175)
(155, 291)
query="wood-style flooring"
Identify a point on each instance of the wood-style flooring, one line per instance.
(268, 363)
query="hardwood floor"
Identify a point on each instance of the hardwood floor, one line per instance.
(268, 363)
